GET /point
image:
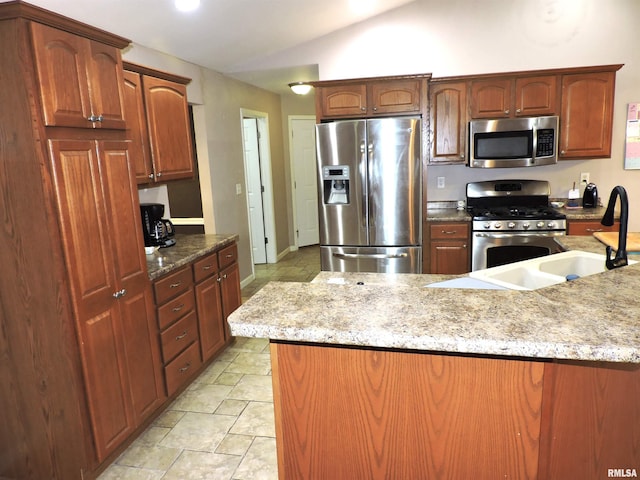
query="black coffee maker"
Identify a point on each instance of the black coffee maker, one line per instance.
(158, 232)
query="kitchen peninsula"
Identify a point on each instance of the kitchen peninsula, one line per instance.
(379, 377)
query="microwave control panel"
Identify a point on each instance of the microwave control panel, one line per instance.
(545, 142)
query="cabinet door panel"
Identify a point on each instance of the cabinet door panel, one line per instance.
(124, 213)
(448, 122)
(394, 97)
(231, 294)
(210, 319)
(141, 344)
(62, 76)
(344, 100)
(107, 380)
(84, 223)
(105, 76)
(536, 96)
(491, 98)
(587, 115)
(137, 127)
(169, 128)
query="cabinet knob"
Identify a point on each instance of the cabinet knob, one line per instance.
(518, 110)
(375, 109)
(151, 176)
(95, 118)
(561, 152)
(158, 175)
(506, 112)
(363, 108)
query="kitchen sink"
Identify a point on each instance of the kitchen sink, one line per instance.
(544, 271)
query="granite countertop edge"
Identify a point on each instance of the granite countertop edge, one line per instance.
(188, 247)
(592, 319)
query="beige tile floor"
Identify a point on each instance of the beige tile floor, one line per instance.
(221, 427)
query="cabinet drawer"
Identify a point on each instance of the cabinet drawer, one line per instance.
(228, 255)
(449, 230)
(172, 285)
(205, 267)
(178, 336)
(589, 228)
(182, 368)
(176, 308)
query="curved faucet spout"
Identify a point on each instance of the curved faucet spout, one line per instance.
(620, 259)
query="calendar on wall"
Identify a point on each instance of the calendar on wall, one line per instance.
(632, 145)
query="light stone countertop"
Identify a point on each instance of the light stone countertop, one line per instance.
(188, 248)
(594, 318)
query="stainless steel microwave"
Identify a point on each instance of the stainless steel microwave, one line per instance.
(513, 142)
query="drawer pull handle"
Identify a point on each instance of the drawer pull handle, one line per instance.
(594, 229)
(178, 308)
(207, 267)
(229, 255)
(180, 337)
(185, 368)
(449, 232)
(175, 285)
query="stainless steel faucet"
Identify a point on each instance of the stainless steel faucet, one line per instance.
(620, 259)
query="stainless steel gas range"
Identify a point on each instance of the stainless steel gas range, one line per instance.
(512, 221)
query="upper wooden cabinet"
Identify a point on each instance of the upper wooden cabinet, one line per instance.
(162, 129)
(514, 97)
(448, 125)
(586, 118)
(80, 80)
(368, 97)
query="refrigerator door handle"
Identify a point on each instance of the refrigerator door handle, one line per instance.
(370, 255)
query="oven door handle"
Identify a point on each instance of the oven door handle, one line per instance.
(553, 233)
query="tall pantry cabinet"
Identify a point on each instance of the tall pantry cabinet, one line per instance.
(79, 357)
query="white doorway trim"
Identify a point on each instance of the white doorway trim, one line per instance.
(265, 172)
(292, 169)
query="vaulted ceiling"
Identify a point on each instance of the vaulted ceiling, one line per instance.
(226, 35)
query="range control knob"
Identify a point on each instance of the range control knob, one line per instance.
(497, 225)
(487, 225)
(551, 225)
(511, 225)
(526, 225)
(540, 224)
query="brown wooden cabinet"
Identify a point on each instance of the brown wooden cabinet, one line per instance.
(161, 128)
(589, 227)
(80, 80)
(368, 97)
(586, 118)
(137, 130)
(514, 97)
(380, 413)
(449, 251)
(177, 321)
(449, 117)
(97, 204)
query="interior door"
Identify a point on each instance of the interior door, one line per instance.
(303, 150)
(254, 190)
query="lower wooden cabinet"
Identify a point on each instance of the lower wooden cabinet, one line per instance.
(449, 248)
(350, 412)
(589, 227)
(192, 305)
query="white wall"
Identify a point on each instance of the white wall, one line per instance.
(465, 37)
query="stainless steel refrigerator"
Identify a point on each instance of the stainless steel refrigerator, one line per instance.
(370, 195)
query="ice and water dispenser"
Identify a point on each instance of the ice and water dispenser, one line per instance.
(336, 184)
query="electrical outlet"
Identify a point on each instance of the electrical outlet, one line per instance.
(584, 177)
(238, 189)
(440, 182)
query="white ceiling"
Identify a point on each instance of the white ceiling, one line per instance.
(226, 35)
